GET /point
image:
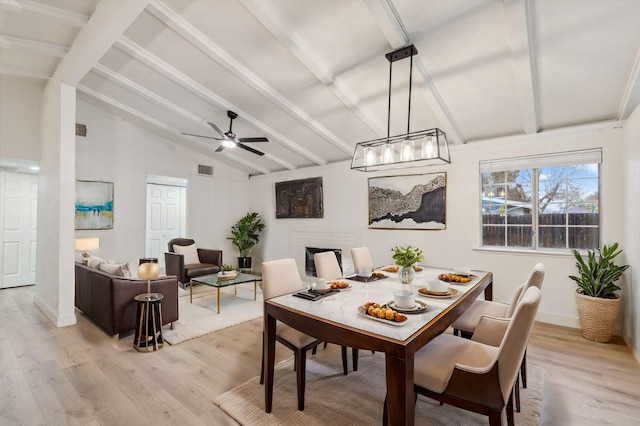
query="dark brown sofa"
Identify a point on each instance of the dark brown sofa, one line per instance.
(108, 299)
(210, 262)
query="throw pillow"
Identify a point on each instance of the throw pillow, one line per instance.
(117, 269)
(190, 253)
(95, 262)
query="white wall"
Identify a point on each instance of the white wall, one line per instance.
(345, 206)
(631, 189)
(20, 109)
(118, 152)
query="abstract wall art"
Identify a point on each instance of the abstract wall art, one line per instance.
(408, 202)
(299, 199)
(94, 205)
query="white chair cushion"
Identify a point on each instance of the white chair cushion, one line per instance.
(293, 336)
(190, 253)
(469, 320)
(434, 363)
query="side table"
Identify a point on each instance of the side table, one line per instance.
(148, 333)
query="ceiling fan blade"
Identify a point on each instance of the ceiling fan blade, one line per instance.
(220, 148)
(248, 148)
(200, 136)
(216, 128)
(259, 139)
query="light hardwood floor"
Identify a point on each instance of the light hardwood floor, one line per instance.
(77, 375)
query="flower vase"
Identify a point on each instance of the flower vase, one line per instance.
(406, 274)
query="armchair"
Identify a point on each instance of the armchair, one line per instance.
(186, 261)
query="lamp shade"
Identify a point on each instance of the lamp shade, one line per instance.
(148, 271)
(87, 243)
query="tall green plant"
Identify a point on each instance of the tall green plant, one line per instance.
(599, 273)
(246, 233)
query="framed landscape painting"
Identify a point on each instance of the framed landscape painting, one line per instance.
(299, 199)
(94, 205)
(408, 202)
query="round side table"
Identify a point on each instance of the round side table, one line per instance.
(148, 333)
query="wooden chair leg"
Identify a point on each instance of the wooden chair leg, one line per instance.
(324, 346)
(355, 355)
(456, 332)
(385, 413)
(523, 369)
(262, 362)
(509, 408)
(516, 393)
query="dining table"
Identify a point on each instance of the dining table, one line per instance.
(338, 318)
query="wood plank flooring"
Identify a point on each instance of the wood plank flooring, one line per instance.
(77, 375)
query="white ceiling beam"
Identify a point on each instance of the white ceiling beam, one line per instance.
(11, 42)
(519, 25)
(393, 29)
(72, 18)
(107, 24)
(164, 103)
(196, 88)
(268, 17)
(215, 52)
(631, 97)
(19, 71)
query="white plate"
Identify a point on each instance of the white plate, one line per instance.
(385, 321)
(426, 293)
(419, 306)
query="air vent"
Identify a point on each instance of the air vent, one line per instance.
(81, 130)
(205, 170)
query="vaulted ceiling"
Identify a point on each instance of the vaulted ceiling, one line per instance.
(312, 76)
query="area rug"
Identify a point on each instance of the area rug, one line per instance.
(355, 399)
(201, 316)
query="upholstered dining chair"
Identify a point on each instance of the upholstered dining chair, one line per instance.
(281, 277)
(327, 267)
(478, 374)
(468, 321)
(362, 259)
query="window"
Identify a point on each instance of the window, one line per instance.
(543, 202)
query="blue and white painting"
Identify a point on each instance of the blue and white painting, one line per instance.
(94, 205)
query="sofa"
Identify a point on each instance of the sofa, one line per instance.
(185, 266)
(107, 299)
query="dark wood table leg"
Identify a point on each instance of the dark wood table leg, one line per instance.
(488, 291)
(400, 394)
(269, 359)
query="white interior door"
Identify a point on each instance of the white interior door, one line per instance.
(19, 209)
(165, 211)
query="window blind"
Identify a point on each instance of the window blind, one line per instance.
(569, 158)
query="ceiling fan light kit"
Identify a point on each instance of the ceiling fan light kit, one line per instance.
(229, 139)
(411, 149)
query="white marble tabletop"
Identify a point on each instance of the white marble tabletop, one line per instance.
(342, 307)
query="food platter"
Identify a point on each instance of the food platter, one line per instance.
(339, 285)
(418, 308)
(384, 321)
(382, 313)
(427, 293)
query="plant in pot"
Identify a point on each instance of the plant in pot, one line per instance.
(405, 258)
(598, 305)
(246, 234)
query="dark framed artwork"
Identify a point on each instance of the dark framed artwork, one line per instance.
(408, 202)
(299, 199)
(94, 205)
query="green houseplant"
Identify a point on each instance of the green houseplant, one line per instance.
(246, 234)
(405, 258)
(597, 303)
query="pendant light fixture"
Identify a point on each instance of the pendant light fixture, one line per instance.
(421, 148)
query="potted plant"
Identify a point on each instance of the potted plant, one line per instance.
(598, 305)
(405, 258)
(227, 269)
(246, 234)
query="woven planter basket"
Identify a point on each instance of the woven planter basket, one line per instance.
(597, 316)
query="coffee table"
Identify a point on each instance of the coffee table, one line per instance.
(214, 280)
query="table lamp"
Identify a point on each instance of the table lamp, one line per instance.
(148, 271)
(86, 244)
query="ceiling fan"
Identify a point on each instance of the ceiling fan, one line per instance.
(229, 139)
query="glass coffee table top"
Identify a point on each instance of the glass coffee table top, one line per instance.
(219, 281)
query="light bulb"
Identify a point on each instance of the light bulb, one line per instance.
(429, 147)
(387, 153)
(369, 156)
(407, 150)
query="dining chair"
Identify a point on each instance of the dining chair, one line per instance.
(327, 267)
(466, 324)
(281, 277)
(362, 259)
(477, 374)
